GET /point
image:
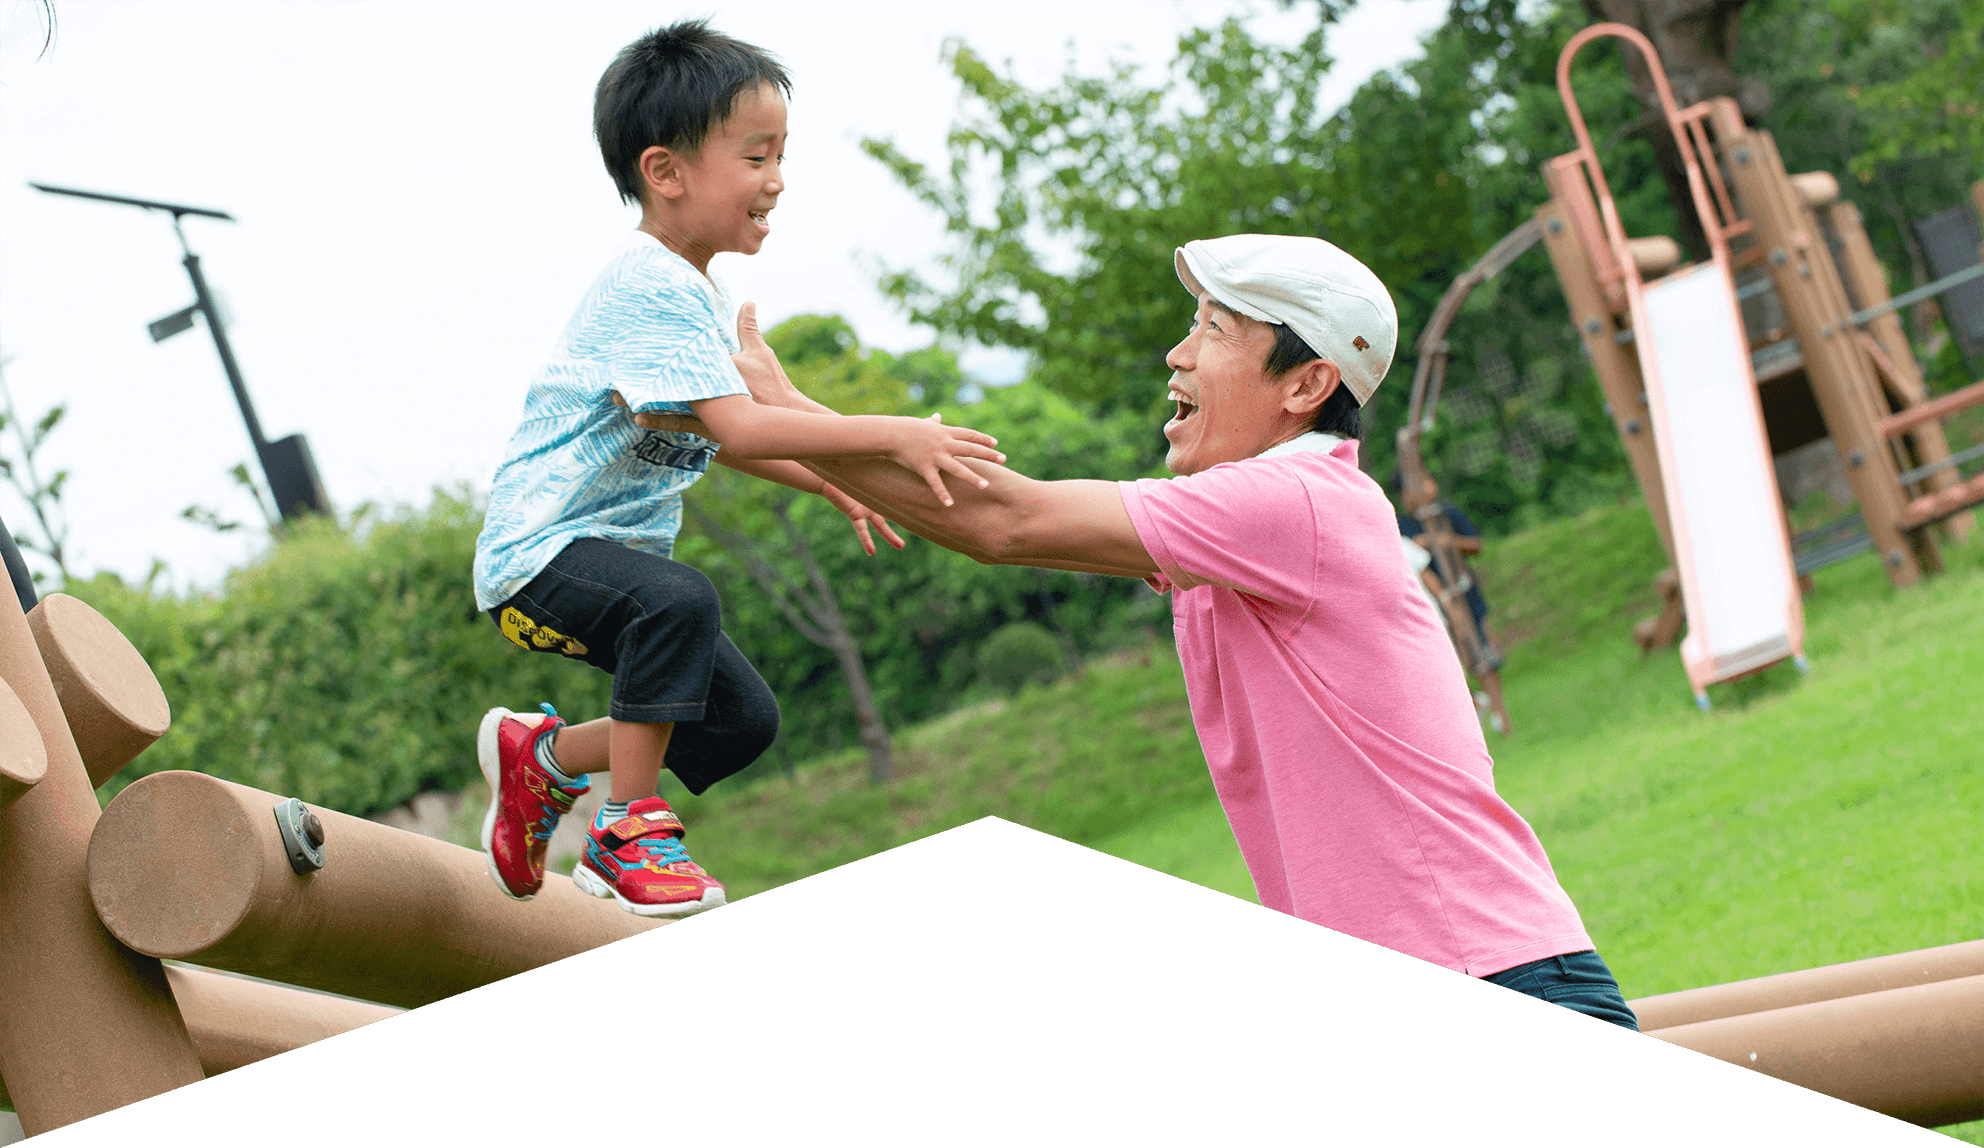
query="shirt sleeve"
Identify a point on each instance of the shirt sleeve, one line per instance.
(661, 340)
(1246, 526)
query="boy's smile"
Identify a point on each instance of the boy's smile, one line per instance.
(721, 197)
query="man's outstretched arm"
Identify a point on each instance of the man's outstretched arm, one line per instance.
(1014, 520)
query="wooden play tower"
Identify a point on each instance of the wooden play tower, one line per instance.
(1820, 340)
(1784, 338)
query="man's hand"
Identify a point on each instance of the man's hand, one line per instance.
(758, 363)
(659, 420)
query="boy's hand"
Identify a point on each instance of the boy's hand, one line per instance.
(929, 448)
(861, 516)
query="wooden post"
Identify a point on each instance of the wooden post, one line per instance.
(86, 1025)
(1869, 282)
(1841, 378)
(1618, 368)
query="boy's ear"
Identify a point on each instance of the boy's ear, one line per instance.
(661, 173)
(1307, 387)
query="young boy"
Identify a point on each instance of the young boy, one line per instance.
(583, 512)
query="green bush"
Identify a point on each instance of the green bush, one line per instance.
(347, 668)
(1017, 654)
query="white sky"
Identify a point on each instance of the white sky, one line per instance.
(420, 204)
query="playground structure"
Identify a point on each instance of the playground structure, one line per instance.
(183, 866)
(1785, 338)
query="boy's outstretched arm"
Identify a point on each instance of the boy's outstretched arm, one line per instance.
(791, 474)
(1004, 518)
(752, 430)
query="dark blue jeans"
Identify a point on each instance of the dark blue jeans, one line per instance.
(1575, 980)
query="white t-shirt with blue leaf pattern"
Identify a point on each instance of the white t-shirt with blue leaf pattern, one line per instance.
(660, 333)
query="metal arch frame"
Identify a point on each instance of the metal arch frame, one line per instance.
(1471, 640)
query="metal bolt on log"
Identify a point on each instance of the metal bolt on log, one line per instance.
(194, 868)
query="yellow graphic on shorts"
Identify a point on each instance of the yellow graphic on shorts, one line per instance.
(532, 636)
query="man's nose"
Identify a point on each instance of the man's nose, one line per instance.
(1179, 358)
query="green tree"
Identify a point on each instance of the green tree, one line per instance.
(1414, 176)
(42, 496)
(754, 524)
(1423, 169)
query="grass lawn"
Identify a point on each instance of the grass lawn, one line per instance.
(1806, 820)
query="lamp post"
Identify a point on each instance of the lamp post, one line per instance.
(286, 463)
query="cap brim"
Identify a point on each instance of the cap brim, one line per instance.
(1185, 275)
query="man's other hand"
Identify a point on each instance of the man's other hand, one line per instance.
(658, 420)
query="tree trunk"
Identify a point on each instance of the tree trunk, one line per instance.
(817, 617)
(1695, 39)
(874, 733)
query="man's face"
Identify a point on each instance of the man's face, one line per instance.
(1227, 408)
(733, 181)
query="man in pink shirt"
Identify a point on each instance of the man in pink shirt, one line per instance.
(1334, 716)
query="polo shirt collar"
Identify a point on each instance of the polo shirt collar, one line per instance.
(1319, 441)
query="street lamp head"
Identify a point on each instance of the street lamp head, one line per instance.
(177, 209)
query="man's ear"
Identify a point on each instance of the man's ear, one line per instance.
(661, 173)
(1307, 387)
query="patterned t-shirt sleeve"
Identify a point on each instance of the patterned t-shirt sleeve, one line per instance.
(660, 337)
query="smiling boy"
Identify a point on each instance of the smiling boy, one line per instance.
(574, 555)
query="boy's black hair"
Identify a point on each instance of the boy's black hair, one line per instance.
(1340, 414)
(671, 88)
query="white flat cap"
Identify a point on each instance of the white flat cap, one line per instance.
(1322, 294)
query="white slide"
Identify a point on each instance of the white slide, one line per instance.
(1734, 559)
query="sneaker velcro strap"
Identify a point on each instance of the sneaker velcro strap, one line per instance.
(635, 826)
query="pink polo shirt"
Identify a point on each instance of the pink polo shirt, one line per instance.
(1335, 717)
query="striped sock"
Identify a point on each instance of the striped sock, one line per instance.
(550, 763)
(610, 812)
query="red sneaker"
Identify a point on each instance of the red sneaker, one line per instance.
(640, 862)
(525, 800)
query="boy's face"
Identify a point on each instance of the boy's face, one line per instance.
(729, 187)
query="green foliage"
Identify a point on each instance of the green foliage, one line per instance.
(1097, 178)
(920, 614)
(345, 667)
(1019, 654)
(1884, 94)
(43, 497)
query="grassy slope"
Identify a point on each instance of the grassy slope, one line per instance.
(1806, 820)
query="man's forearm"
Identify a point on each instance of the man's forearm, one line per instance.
(1014, 521)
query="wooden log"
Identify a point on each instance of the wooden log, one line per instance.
(1936, 409)
(1805, 986)
(235, 1021)
(110, 697)
(86, 1025)
(1914, 1053)
(23, 759)
(191, 867)
(1944, 503)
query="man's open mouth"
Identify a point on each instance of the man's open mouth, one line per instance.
(1185, 409)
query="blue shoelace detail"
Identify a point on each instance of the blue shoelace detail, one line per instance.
(668, 849)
